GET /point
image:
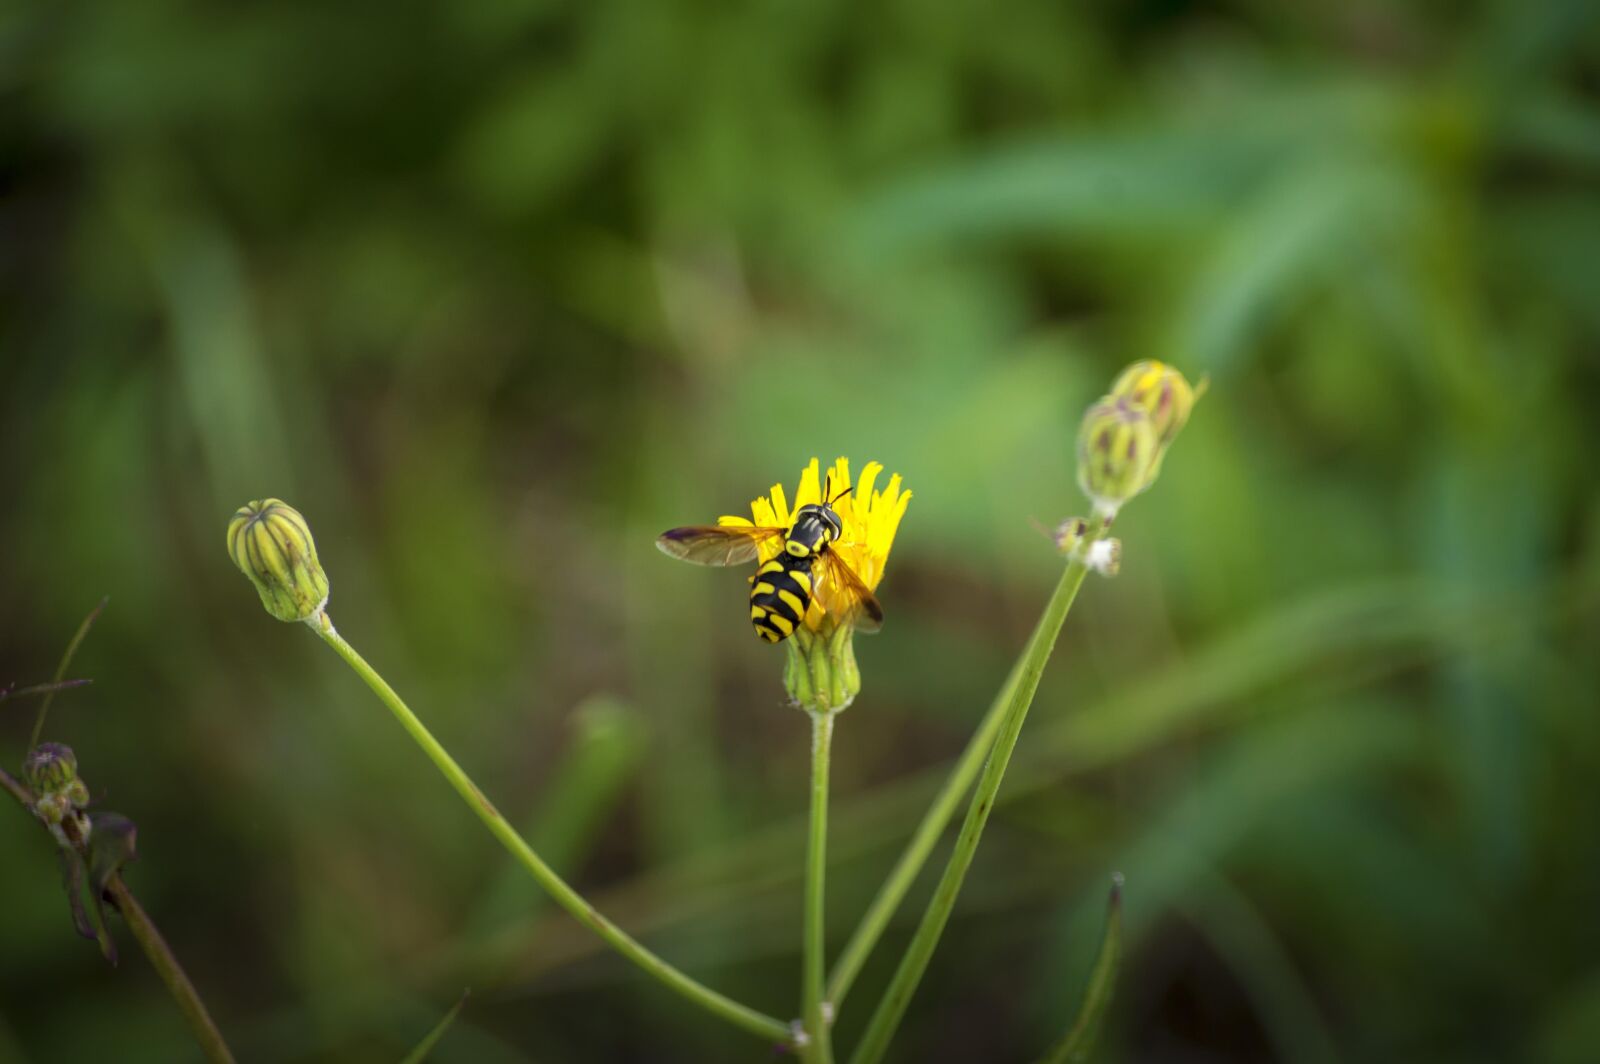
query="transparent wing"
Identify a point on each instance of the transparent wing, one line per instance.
(717, 544)
(841, 593)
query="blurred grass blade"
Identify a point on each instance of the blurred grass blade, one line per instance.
(40, 689)
(1080, 1039)
(589, 782)
(1371, 630)
(1251, 947)
(426, 1046)
(61, 670)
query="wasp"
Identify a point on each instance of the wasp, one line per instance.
(806, 567)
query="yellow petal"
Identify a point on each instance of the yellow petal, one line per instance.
(839, 477)
(810, 486)
(861, 499)
(892, 524)
(780, 507)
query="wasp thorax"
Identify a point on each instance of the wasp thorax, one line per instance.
(815, 526)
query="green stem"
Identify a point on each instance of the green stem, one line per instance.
(166, 965)
(17, 790)
(904, 874)
(742, 1016)
(885, 1020)
(819, 1043)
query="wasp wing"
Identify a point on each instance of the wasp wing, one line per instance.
(841, 593)
(717, 544)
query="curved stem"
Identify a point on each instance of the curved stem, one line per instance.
(739, 1015)
(886, 1019)
(819, 1047)
(166, 965)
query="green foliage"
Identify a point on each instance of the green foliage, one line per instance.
(498, 291)
(1078, 1043)
(425, 1047)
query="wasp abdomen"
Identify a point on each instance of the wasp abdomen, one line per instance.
(779, 596)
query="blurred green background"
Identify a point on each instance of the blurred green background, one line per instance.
(496, 291)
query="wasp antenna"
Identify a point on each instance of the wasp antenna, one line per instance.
(841, 495)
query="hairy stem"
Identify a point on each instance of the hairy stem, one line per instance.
(819, 1046)
(739, 1015)
(886, 1019)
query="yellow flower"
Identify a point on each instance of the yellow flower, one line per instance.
(870, 518)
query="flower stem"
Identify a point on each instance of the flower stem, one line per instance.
(17, 790)
(155, 947)
(166, 965)
(885, 1020)
(819, 1047)
(732, 1011)
(904, 874)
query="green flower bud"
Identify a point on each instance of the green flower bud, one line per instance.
(50, 767)
(1116, 452)
(1165, 397)
(820, 672)
(51, 809)
(77, 794)
(271, 544)
(1069, 534)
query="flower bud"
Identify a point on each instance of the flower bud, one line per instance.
(50, 768)
(820, 671)
(51, 809)
(1069, 534)
(1116, 452)
(76, 794)
(1165, 397)
(271, 544)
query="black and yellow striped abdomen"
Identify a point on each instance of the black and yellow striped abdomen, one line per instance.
(779, 594)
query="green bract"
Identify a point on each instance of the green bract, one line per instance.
(820, 672)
